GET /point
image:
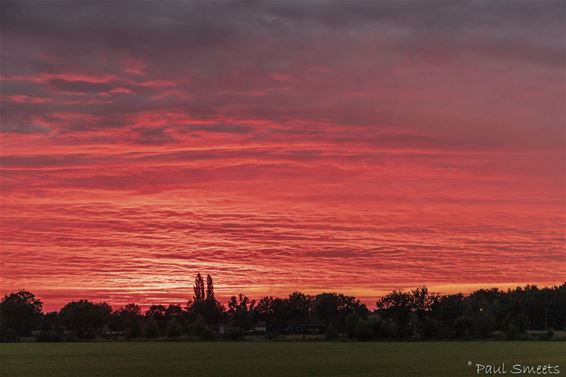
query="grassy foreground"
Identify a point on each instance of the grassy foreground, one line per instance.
(269, 359)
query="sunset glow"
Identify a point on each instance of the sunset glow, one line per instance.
(280, 146)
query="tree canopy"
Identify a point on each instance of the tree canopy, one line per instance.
(413, 314)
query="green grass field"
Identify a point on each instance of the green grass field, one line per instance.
(269, 359)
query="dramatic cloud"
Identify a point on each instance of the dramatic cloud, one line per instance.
(279, 146)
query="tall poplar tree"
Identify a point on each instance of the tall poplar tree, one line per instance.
(209, 288)
(199, 288)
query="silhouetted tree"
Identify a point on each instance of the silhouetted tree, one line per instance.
(156, 312)
(422, 301)
(408, 310)
(129, 320)
(51, 328)
(205, 305)
(446, 311)
(199, 289)
(264, 308)
(51, 321)
(240, 311)
(326, 307)
(158, 315)
(85, 318)
(347, 305)
(18, 311)
(209, 288)
(298, 308)
(280, 318)
(416, 314)
(173, 311)
(274, 312)
(482, 308)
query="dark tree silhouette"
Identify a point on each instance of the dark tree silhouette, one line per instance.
(205, 305)
(408, 310)
(523, 313)
(274, 312)
(158, 315)
(326, 306)
(299, 307)
(156, 312)
(209, 288)
(174, 311)
(129, 320)
(347, 305)
(240, 311)
(264, 308)
(18, 311)
(85, 318)
(199, 289)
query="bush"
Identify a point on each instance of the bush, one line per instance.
(9, 336)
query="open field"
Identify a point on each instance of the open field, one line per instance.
(270, 359)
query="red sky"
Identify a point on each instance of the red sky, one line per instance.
(328, 146)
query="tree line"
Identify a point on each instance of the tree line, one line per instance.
(400, 315)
